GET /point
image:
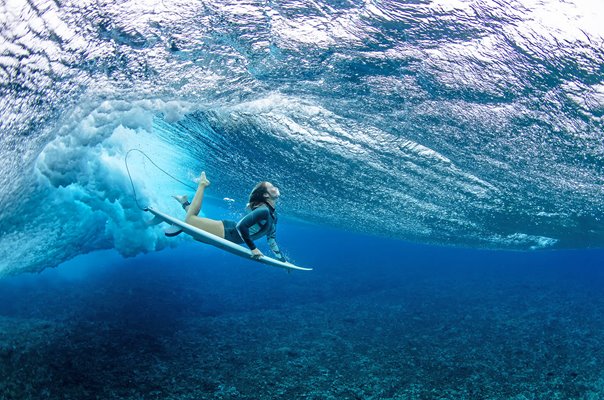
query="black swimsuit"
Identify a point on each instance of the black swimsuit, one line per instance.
(230, 232)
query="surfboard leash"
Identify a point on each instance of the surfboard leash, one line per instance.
(156, 166)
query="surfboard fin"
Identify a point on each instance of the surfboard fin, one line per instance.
(156, 220)
(172, 231)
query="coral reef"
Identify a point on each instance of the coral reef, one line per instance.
(445, 339)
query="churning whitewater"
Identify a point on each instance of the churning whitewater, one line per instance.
(465, 123)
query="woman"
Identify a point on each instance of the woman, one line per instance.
(260, 221)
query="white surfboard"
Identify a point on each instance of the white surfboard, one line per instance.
(219, 242)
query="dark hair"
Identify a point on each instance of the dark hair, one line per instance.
(257, 197)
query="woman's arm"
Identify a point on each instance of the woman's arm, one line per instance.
(271, 238)
(272, 242)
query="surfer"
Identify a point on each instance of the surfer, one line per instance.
(261, 219)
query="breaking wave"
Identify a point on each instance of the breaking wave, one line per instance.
(465, 123)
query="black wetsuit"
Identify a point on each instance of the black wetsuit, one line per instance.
(262, 221)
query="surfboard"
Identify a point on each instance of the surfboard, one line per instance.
(216, 241)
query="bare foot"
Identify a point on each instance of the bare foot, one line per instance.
(182, 199)
(203, 181)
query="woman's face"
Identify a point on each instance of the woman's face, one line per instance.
(273, 191)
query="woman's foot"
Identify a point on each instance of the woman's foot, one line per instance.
(203, 181)
(183, 200)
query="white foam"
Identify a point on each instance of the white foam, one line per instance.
(85, 200)
(522, 240)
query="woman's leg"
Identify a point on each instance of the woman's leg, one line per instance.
(206, 224)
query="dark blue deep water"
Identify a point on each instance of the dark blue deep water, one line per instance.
(376, 319)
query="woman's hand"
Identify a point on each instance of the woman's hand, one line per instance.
(256, 254)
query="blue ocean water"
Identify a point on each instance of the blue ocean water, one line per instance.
(377, 318)
(440, 164)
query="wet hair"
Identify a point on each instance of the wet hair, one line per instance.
(257, 197)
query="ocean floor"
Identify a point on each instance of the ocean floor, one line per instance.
(132, 333)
